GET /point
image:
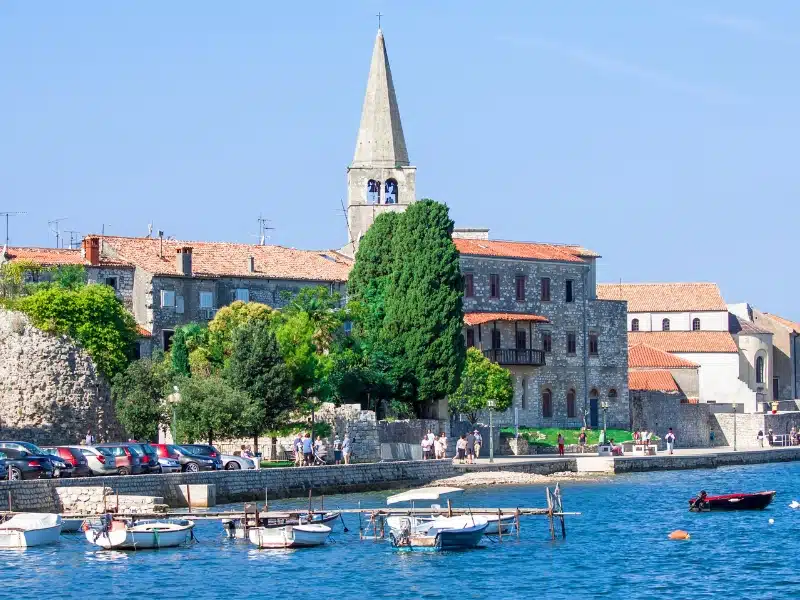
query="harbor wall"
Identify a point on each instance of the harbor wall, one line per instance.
(232, 486)
(704, 461)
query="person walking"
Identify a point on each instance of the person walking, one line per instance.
(346, 449)
(670, 439)
(426, 448)
(89, 438)
(437, 448)
(478, 443)
(443, 443)
(297, 446)
(770, 437)
(461, 448)
(582, 441)
(760, 438)
(337, 450)
(560, 441)
(308, 450)
(470, 448)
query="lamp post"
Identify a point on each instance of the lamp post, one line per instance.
(175, 398)
(490, 404)
(734, 426)
(604, 406)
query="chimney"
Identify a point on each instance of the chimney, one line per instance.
(91, 250)
(251, 264)
(184, 261)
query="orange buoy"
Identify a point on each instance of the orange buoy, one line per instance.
(679, 534)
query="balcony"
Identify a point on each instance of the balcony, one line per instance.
(514, 356)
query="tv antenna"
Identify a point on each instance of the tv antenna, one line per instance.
(10, 214)
(263, 227)
(74, 238)
(55, 223)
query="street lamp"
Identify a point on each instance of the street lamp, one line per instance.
(176, 398)
(490, 404)
(734, 426)
(604, 406)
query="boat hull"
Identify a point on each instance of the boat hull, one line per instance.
(455, 533)
(235, 529)
(289, 536)
(498, 525)
(143, 536)
(71, 525)
(30, 529)
(728, 502)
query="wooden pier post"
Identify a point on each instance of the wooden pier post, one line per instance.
(189, 497)
(449, 508)
(117, 499)
(500, 525)
(516, 516)
(360, 529)
(550, 513)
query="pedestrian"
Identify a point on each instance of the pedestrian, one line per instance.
(430, 437)
(437, 448)
(337, 450)
(426, 447)
(247, 452)
(461, 448)
(478, 443)
(308, 449)
(443, 443)
(297, 446)
(760, 438)
(670, 438)
(560, 441)
(711, 437)
(646, 437)
(346, 449)
(89, 438)
(470, 448)
(770, 437)
(582, 441)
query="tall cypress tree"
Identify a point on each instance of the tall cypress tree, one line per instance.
(423, 307)
(179, 353)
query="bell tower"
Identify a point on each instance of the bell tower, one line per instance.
(380, 178)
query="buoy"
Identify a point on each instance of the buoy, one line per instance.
(794, 504)
(772, 521)
(679, 534)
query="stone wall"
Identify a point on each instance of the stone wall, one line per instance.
(692, 423)
(123, 277)
(94, 500)
(50, 391)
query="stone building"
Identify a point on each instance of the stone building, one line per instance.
(785, 353)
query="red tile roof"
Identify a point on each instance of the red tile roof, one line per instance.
(528, 250)
(685, 341)
(224, 259)
(652, 381)
(791, 325)
(479, 318)
(644, 356)
(47, 257)
(143, 332)
(664, 297)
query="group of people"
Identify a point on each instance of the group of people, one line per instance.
(793, 437)
(308, 452)
(468, 447)
(434, 446)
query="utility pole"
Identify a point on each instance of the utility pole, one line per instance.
(10, 214)
(490, 404)
(55, 223)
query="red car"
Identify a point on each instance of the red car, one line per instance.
(74, 457)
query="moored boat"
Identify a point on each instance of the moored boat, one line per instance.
(30, 529)
(445, 533)
(499, 524)
(71, 525)
(289, 536)
(756, 501)
(235, 528)
(116, 534)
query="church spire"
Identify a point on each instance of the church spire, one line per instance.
(380, 140)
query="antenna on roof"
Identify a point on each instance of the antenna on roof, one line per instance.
(74, 237)
(55, 222)
(6, 215)
(149, 230)
(262, 229)
(161, 249)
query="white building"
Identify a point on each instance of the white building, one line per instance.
(692, 321)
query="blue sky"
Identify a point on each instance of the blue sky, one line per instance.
(661, 134)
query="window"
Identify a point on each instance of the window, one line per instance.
(495, 339)
(635, 325)
(521, 340)
(206, 300)
(469, 285)
(241, 294)
(665, 325)
(572, 344)
(571, 404)
(179, 305)
(519, 280)
(570, 297)
(111, 282)
(470, 338)
(522, 395)
(494, 285)
(612, 394)
(137, 351)
(547, 341)
(775, 386)
(760, 369)
(390, 196)
(166, 338)
(594, 343)
(547, 404)
(545, 289)
(373, 192)
(167, 298)
(696, 325)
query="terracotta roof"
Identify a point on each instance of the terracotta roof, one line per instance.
(685, 341)
(479, 318)
(581, 251)
(791, 325)
(528, 250)
(224, 259)
(744, 326)
(652, 381)
(644, 356)
(46, 256)
(143, 332)
(664, 297)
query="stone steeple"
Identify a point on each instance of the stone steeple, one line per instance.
(380, 177)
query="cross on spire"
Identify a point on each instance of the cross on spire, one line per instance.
(379, 15)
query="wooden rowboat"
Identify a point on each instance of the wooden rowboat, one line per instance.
(756, 501)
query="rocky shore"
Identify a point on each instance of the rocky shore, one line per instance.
(487, 478)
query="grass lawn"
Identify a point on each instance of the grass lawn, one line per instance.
(549, 436)
(271, 464)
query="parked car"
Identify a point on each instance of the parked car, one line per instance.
(25, 461)
(230, 462)
(169, 465)
(188, 461)
(61, 468)
(148, 455)
(126, 460)
(73, 457)
(100, 460)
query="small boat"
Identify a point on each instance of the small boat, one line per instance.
(499, 524)
(419, 523)
(234, 528)
(290, 536)
(445, 533)
(756, 501)
(119, 534)
(30, 529)
(71, 525)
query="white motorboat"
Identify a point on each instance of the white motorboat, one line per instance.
(499, 524)
(71, 525)
(234, 527)
(30, 529)
(140, 535)
(419, 523)
(444, 533)
(290, 536)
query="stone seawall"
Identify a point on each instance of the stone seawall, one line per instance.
(704, 461)
(539, 467)
(234, 486)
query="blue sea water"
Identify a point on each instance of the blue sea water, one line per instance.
(618, 547)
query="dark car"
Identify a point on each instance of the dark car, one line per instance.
(127, 460)
(25, 461)
(207, 451)
(73, 457)
(147, 455)
(189, 461)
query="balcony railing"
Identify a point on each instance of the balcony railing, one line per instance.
(514, 356)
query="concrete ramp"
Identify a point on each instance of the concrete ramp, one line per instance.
(595, 464)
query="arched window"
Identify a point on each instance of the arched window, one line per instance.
(760, 369)
(373, 192)
(594, 394)
(391, 193)
(571, 404)
(696, 325)
(665, 325)
(635, 325)
(547, 403)
(612, 394)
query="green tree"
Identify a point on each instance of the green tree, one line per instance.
(138, 394)
(481, 380)
(256, 368)
(226, 321)
(179, 353)
(209, 408)
(424, 311)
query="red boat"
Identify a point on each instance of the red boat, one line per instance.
(757, 501)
